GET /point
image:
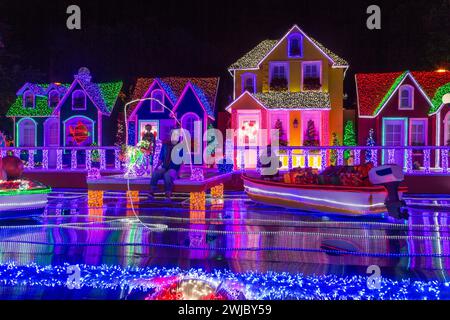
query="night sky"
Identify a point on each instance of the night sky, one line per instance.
(127, 39)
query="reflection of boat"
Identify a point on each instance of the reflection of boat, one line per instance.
(323, 198)
(22, 196)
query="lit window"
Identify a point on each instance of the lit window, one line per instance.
(295, 46)
(28, 100)
(155, 105)
(78, 100)
(311, 76)
(278, 76)
(27, 133)
(418, 132)
(249, 83)
(406, 97)
(53, 99)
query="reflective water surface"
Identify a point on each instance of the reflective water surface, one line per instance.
(239, 237)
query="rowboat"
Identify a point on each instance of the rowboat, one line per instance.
(330, 199)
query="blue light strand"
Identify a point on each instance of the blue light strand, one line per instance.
(254, 285)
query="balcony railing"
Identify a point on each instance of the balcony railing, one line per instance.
(435, 160)
(67, 158)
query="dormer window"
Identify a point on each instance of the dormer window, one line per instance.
(53, 99)
(279, 76)
(312, 79)
(155, 105)
(249, 82)
(295, 49)
(28, 100)
(406, 95)
(78, 100)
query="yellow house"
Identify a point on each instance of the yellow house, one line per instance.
(295, 85)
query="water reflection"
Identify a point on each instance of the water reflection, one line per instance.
(238, 235)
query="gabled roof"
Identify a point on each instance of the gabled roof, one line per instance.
(204, 88)
(253, 58)
(290, 100)
(102, 95)
(41, 108)
(375, 89)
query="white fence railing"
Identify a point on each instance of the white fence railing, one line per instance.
(414, 160)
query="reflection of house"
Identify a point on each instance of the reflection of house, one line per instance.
(293, 84)
(190, 100)
(404, 109)
(58, 114)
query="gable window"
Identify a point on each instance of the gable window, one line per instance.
(155, 105)
(418, 132)
(53, 99)
(312, 75)
(249, 82)
(78, 100)
(27, 133)
(295, 46)
(28, 100)
(406, 97)
(278, 76)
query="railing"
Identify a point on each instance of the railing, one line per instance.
(414, 159)
(419, 160)
(67, 158)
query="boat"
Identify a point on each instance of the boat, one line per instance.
(329, 199)
(22, 197)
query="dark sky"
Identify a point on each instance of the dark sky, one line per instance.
(130, 38)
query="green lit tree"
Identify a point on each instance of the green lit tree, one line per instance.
(349, 137)
(279, 126)
(311, 138)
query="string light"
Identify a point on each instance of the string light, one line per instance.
(197, 200)
(45, 159)
(426, 160)
(197, 174)
(73, 159)
(59, 160)
(248, 285)
(30, 164)
(294, 100)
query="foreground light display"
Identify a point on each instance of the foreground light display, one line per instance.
(158, 282)
(22, 194)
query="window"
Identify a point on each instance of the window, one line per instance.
(189, 122)
(278, 76)
(406, 97)
(78, 131)
(312, 75)
(53, 99)
(155, 105)
(28, 100)
(27, 133)
(295, 46)
(249, 82)
(418, 129)
(78, 100)
(447, 130)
